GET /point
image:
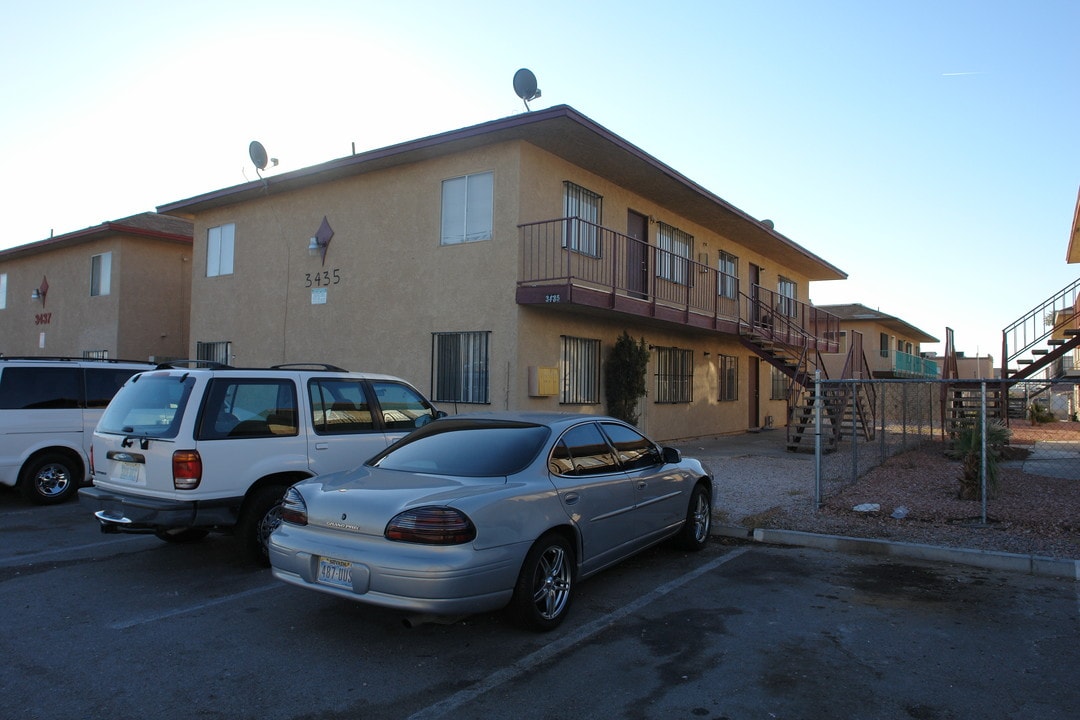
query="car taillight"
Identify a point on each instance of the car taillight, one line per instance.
(91, 462)
(431, 526)
(293, 507)
(186, 469)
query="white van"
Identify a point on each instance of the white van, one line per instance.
(185, 451)
(48, 410)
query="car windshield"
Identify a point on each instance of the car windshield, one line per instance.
(149, 405)
(466, 449)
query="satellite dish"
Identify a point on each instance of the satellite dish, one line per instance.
(768, 223)
(525, 86)
(258, 154)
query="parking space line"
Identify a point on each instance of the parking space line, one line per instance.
(34, 557)
(125, 624)
(527, 663)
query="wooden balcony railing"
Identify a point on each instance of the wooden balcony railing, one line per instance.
(573, 261)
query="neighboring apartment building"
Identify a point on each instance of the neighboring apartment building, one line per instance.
(496, 265)
(892, 346)
(118, 290)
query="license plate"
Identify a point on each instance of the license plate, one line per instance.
(129, 472)
(335, 572)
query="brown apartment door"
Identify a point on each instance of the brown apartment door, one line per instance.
(637, 254)
(754, 392)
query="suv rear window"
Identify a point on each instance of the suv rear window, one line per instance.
(150, 405)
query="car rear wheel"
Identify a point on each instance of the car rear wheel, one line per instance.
(261, 516)
(181, 535)
(49, 478)
(545, 584)
(695, 531)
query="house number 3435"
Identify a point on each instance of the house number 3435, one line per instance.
(322, 279)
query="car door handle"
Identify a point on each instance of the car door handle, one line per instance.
(322, 446)
(642, 485)
(571, 498)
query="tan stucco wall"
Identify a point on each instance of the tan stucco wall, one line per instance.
(73, 322)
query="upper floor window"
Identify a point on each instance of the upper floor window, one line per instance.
(220, 243)
(460, 367)
(580, 370)
(786, 289)
(100, 274)
(673, 247)
(884, 345)
(729, 276)
(467, 204)
(3, 290)
(583, 219)
(674, 375)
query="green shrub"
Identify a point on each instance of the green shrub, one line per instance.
(624, 377)
(1038, 415)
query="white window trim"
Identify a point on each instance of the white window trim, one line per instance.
(220, 250)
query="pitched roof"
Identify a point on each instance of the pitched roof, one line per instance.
(857, 312)
(147, 225)
(568, 134)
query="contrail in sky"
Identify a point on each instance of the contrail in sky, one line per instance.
(954, 74)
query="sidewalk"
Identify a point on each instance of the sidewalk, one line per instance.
(753, 472)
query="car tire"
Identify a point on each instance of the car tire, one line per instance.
(545, 584)
(260, 517)
(49, 478)
(694, 534)
(180, 536)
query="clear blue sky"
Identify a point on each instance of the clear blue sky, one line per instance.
(929, 149)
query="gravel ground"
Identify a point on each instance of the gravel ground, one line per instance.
(765, 487)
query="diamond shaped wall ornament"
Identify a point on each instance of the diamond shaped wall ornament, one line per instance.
(322, 238)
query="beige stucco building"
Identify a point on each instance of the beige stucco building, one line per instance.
(495, 266)
(892, 346)
(118, 290)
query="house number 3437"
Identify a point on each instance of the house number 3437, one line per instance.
(42, 318)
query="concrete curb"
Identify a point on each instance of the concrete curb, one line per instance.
(1011, 562)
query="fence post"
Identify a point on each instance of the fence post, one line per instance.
(982, 455)
(817, 438)
(854, 433)
(884, 387)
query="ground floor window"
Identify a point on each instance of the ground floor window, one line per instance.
(729, 377)
(780, 383)
(674, 375)
(580, 371)
(218, 352)
(95, 354)
(460, 367)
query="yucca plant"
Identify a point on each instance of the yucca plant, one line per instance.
(967, 447)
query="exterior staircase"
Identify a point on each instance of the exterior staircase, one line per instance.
(1044, 335)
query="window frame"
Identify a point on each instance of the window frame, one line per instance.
(727, 279)
(456, 383)
(220, 250)
(779, 384)
(674, 376)
(3, 291)
(672, 264)
(787, 291)
(101, 274)
(728, 378)
(473, 205)
(580, 370)
(583, 210)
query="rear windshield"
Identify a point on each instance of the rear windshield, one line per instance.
(149, 405)
(466, 450)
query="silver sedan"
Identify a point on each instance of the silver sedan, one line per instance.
(478, 512)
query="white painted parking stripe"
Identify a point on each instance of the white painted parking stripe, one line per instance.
(125, 624)
(527, 663)
(65, 551)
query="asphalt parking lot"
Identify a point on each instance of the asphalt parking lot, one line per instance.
(128, 627)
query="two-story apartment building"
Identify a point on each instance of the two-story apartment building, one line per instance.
(497, 264)
(120, 289)
(892, 347)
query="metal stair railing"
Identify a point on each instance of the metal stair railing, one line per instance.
(1032, 329)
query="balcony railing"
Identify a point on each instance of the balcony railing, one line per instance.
(573, 261)
(909, 365)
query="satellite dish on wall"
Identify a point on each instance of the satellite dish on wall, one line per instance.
(768, 223)
(525, 86)
(258, 154)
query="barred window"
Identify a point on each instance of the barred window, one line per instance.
(673, 247)
(95, 354)
(674, 375)
(218, 352)
(583, 218)
(729, 377)
(460, 367)
(780, 384)
(580, 371)
(729, 276)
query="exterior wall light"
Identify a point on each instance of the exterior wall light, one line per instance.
(321, 240)
(41, 291)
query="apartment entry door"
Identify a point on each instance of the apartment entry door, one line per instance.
(753, 392)
(637, 254)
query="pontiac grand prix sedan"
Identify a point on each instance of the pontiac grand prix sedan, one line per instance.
(478, 512)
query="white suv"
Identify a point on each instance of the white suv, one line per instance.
(48, 409)
(186, 450)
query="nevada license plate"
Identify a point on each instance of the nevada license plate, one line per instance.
(129, 472)
(335, 572)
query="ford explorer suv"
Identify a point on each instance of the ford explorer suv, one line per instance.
(49, 407)
(184, 451)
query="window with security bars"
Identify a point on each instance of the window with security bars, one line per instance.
(583, 217)
(580, 371)
(217, 352)
(460, 367)
(673, 248)
(95, 354)
(729, 377)
(780, 383)
(674, 375)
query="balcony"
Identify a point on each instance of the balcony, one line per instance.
(572, 262)
(914, 366)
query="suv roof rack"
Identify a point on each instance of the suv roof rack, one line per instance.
(322, 366)
(193, 363)
(64, 358)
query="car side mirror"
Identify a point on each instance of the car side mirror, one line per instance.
(671, 455)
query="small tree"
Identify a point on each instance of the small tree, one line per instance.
(967, 447)
(624, 377)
